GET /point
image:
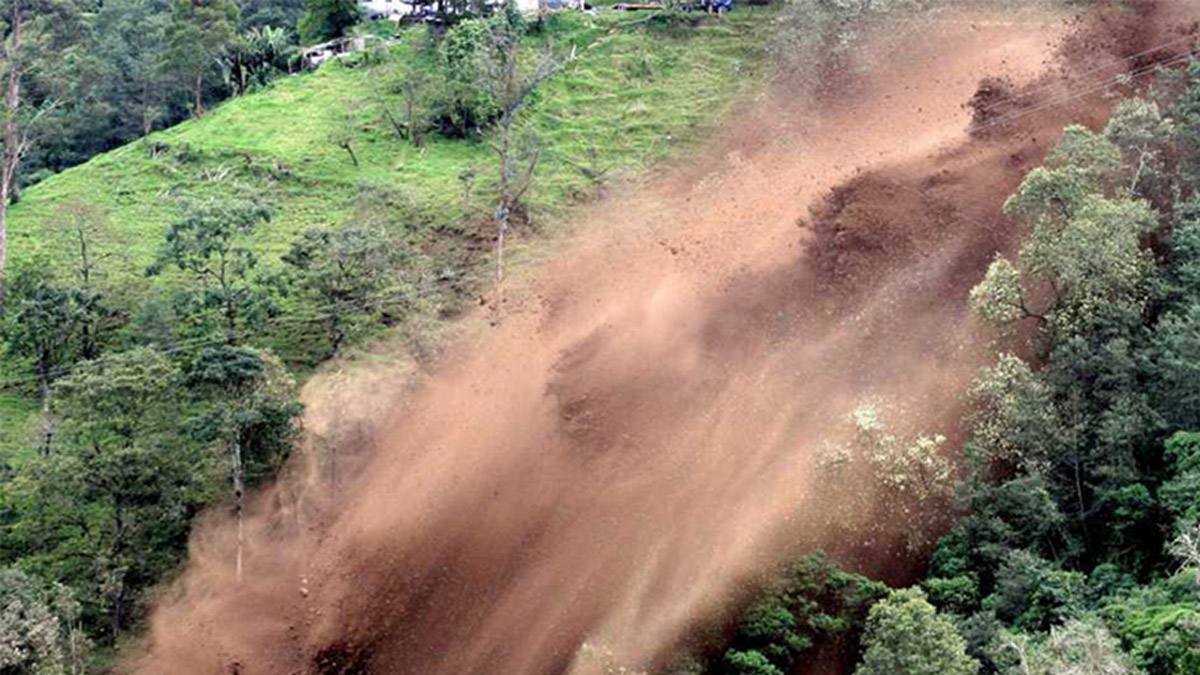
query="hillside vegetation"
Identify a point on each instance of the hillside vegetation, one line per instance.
(633, 93)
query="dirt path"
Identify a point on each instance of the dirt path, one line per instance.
(616, 461)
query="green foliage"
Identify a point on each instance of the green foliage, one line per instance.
(959, 594)
(408, 89)
(1164, 639)
(196, 33)
(1012, 413)
(327, 19)
(245, 400)
(1145, 137)
(1032, 595)
(109, 493)
(1083, 483)
(352, 275)
(463, 107)
(284, 14)
(748, 663)
(905, 635)
(1084, 246)
(39, 633)
(41, 317)
(814, 600)
(1074, 648)
(210, 244)
(1180, 494)
(255, 57)
(1185, 111)
(1176, 362)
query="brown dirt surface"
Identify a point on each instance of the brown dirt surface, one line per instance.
(612, 467)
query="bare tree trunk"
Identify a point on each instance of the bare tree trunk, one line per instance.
(118, 611)
(198, 90)
(47, 423)
(502, 211)
(231, 337)
(3, 243)
(350, 150)
(12, 136)
(239, 494)
(73, 631)
(501, 234)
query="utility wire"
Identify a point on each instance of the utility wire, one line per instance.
(1087, 73)
(1147, 70)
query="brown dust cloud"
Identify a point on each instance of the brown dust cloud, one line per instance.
(609, 469)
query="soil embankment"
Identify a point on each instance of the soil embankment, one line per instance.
(618, 459)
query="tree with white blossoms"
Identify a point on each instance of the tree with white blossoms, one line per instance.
(1139, 129)
(1186, 547)
(1074, 648)
(912, 467)
(1012, 413)
(39, 627)
(910, 472)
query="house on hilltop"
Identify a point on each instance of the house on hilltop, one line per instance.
(398, 9)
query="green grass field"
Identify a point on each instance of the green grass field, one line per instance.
(636, 93)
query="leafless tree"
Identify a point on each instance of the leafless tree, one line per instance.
(510, 85)
(19, 123)
(344, 129)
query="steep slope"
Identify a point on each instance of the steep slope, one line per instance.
(583, 485)
(633, 94)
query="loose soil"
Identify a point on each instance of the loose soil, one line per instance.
(611, 468)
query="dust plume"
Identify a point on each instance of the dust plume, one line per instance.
(621, 459)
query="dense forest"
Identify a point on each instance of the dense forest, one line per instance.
(1075, 543)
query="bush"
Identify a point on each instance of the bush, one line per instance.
(906, 635)
(462, 108)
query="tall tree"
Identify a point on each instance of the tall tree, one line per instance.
(511, 83)
(83, 229)
(327, 19)
(42, 318)
(131, 41)
(29, 41)
(210, 243)
(350, 272)
(196, 34)
(249, 414)
(123, 468)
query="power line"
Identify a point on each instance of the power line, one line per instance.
(311, 315)
(1070, 96)
(1087, 73)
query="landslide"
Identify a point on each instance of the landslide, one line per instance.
(610, 468)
